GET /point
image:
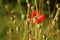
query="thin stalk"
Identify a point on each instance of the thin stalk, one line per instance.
(41, 37)
(53, 21)
(42, 6)
(24, 35)
(50, 16)
(57, 25)
(36, 35)
(16, 30)
(17, 35)
(28, 10)
(18, 1)
(36, 5)
(48, 2)
(10, 37)
(39, 5)
(54, 6)
(57, 31)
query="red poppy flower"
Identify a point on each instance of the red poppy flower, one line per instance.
(37, 17)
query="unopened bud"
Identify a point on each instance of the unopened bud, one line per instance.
(14, 22)
(44, 36)
(48, 2)
(22, 16)
(28, 19)
(12, 11)
(38, 26)
(11, 18)
(32, 7)
(6, 6)
(28, 5)
(57, 5)
(30, 39)
(7, 33)
(26, 1)
(14, 16)
(17, 28)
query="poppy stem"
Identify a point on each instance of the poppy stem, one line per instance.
(36, 22)
(42, 7)
(18, 1)
(54, 7)
(36, 5)
(24, 35)
(26, 22)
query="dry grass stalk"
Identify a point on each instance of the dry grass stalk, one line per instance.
(9, 34)
(26, 22)
(53, 23)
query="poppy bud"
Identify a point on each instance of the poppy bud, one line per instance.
(57, 5)
(28, 5)
(48, 2)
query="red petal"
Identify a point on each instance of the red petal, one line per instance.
(34, 13)
(41, 18)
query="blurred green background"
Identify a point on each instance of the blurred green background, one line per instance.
(5, 22)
